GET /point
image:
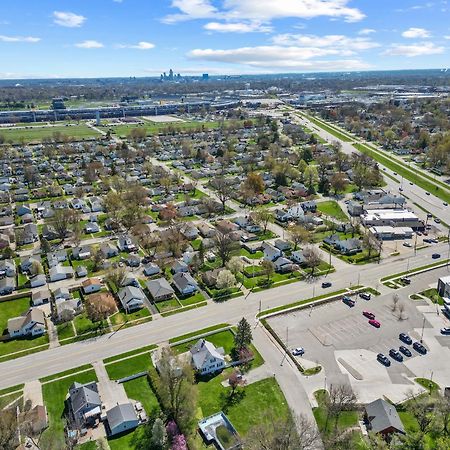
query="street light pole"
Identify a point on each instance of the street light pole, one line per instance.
(423, 327)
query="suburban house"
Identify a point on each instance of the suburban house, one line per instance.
(159, 289)
(38, 280)
(74, 306)
(7, 268)
(84, 404)
(82, 252)
(7, 285)
(184, 283)
(179, 266)
(81, 271)
(210, 426)
(60, 272)
(151, 269)
(91, 285)
(125, 244)
(40, 296)
(121, 418)
(61, 293)
(131, 298)
(382, 417)
(284, 265)
(91, 227)
(346, 247)
(109, 250)
(298, 257)
(31, 323)
(271, 253)
(206, 358)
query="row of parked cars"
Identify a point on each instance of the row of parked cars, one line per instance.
(402, 351)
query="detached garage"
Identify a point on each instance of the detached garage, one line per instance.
(121, 418)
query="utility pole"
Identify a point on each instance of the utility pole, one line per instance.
(287, 346)
(423, 327)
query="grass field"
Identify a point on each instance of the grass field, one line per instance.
(129, 366)
(198, 333)
(37, 134)
(329, 129)
(54, 395)
(223, 339)
(332, 209)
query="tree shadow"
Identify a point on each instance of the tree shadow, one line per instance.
(229, 398)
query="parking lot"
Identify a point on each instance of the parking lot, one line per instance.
(341, 340)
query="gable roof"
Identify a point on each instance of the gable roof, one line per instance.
(204, 350)
(159, 287)
(82, 395)
(120, 414)
(382, 415)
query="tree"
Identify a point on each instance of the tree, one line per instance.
(243, 336)
(338, 182)
(262, 217)
(311, 178)
(116, 277)
(174, 241)
(288, 433)
(158, 440)
(312, 258)
(235, 380)
(131, 216)
(224, 191)
(100, 306)
(254, 183)
(225, 246)
(62, 220)
(225, 280)
(341, 398)
(370, 242)
(36, 268)
(8, 429)
(395, 300)
(323, 162)
(299, 235)
(96, 259)
(235, 265)
(268, 268)
(176, 389)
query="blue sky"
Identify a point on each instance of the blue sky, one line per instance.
(95, 38)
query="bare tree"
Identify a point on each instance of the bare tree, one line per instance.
(62, 221)
(341, 398)
(8, 429)
(262, 217)
(100, 306)
(235, 380)
(395, 300)
(225, 246)
(299, 235)
(268, 268)
(298, 433)
(312, 258)
(401, 310)
(224, 191)
(116, 277)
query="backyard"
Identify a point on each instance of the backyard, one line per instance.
(332, 209)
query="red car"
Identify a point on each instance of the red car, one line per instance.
(375, 323)
(369, 315)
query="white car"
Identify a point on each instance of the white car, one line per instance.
(406, 244)
(299, 351)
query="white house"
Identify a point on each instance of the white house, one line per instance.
(60, 272)
(91, 285)
(40, 296)
(206, 358)
(271, 253)
(31, 323)
(131, 297)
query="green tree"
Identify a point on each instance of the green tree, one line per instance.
(243, 336)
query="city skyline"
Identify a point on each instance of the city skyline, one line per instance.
(120, 38)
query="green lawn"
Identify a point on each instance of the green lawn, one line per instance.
(139, 389)
(346, 419)
(433, 295)
(65, 373)
(38, 133)
(65, 330)
(12, 308)
(129, 366)
(275, 280)
(257, 255)
(54, 395)
(259, 402)
(85, 325)
(332, 209)
(6, 400)
(196, 298)
(198, 332)
(168, 305)
(142, 315)
(90, 445)
(126, 441)
(223, 339)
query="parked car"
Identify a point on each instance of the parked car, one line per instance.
(405, 338)
(405, 350)
(326, 284)
(383, 359)
(435, 255)
(375, 323)
(445, 204)
(437, 220)
(407, 244)
(365, 295)
(412, 184)
(445, 330)
(406, 280)
(369, 314)
(418, 347)
(299, 351)
(427, 193)
(400, 189)
(395, 354)
(348, 301)
(429, 215)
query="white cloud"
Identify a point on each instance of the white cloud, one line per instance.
(89, 44)
(263, 10)
(238, 27)
(417, 49)
(344, 44)
(143, 45)
(416, 33)
(30, 39)
(366, 31)
(447, 37)
(68, 19)
(279, 57)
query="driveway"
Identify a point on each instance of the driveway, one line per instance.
(111, 393)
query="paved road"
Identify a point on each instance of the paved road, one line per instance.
(62, 358)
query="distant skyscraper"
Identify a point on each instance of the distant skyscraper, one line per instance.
(205, 76)
(170, 74)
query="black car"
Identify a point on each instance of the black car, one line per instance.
(383, 359)
(365, 295)
(405, 280)
(418, 347)
(348, 301)
(405, 338)
(326, 284)
(395, 354)
(435, 255)
(405, 350)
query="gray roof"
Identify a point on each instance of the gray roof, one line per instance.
(182, 280)
(203, 351)
(82, 395)
(129, 293)
(159, 287)
(121, 414)
(383, 415)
